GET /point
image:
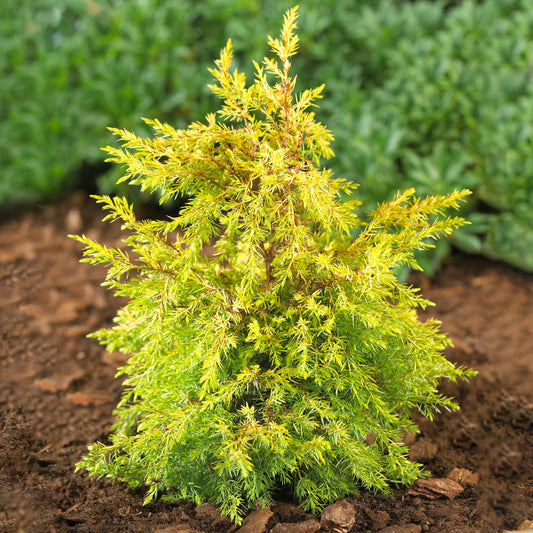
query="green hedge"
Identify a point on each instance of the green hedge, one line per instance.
(432, 94)
(449, 105)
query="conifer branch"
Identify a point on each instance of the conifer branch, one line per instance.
(278, 355)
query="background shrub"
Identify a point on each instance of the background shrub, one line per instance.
(435, 95)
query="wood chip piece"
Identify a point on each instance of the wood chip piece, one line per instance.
(61, 383)
(339, 517)
(307, 526)
(463, 476)
(525, 527)
(256, 522)
(88, 399)
(435, 488)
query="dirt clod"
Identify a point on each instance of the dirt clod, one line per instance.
(423, 451)
(209, 513)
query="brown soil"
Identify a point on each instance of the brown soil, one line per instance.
(57, 392)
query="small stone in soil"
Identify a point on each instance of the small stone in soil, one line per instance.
(339, 517)
(434, 488)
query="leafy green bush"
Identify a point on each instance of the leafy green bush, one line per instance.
(71, 68)
(289, 355)
(450, 104)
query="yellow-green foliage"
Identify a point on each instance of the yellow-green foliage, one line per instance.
(290, 355)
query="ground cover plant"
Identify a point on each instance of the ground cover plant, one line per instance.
(71, 68)
(443, 109)
(288, 356)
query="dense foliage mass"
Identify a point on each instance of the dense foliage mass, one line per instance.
(289, 354)
(434, 95)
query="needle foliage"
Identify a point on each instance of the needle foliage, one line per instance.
(289, 354)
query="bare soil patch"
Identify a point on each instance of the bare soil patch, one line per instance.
(57, 393)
